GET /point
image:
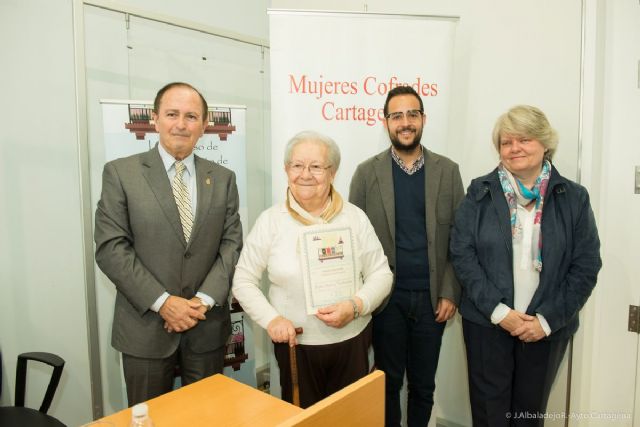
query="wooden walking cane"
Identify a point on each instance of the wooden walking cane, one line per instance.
(293, 361)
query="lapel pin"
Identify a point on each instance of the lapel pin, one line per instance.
(208, 181)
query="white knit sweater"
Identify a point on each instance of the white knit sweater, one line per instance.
(272, 245)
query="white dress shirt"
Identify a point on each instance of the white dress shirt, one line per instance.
(189, 179)
(525, 277)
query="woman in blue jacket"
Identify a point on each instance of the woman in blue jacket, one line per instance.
(526, 251)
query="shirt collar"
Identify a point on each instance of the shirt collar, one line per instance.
(168, 160)
(300, 210)
(417, 165)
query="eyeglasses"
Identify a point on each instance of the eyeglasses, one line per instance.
(315, 170)
(412, 115)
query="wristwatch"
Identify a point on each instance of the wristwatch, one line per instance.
(207, 306)
(356, 312)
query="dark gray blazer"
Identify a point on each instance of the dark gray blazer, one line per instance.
(141, 248)
(372, 191)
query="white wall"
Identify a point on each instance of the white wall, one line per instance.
(247, 18)
(42, 305)
(606, 353)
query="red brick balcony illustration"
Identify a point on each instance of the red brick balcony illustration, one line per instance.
(141, 121)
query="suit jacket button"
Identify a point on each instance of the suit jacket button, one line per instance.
(187, 255)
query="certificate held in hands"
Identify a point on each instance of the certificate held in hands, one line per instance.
(329, 265)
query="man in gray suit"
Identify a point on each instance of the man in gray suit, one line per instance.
(168, 235)
(410, 194)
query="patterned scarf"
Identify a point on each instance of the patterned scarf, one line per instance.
(517, 194)
(333, 208)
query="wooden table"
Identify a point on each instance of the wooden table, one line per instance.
(213, 401)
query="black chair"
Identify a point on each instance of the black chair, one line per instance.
(18, 415)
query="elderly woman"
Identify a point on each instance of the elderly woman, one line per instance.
(334, 345)
(526, 251)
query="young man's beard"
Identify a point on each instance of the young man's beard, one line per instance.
(395, 141)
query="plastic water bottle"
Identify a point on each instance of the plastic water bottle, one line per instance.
(140, 416)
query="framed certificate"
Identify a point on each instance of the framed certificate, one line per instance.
(329, 265)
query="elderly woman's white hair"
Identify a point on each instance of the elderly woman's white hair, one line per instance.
(333, 152)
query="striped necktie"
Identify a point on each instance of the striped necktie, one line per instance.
(183, 201)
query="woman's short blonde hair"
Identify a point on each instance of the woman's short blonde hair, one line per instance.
(526, 121)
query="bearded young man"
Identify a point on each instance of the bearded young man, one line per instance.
(410, 195)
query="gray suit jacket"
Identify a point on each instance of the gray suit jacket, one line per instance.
(372, 191)
(141, 248)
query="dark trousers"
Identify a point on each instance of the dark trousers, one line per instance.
(149, 378)
(323, 369)
(509, 380)
(406, 337)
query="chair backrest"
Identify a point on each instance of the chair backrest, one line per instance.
(21, 377)
(361, 403)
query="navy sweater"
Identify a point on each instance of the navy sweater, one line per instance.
(412, 259)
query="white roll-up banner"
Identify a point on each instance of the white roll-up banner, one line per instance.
(331, 72)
